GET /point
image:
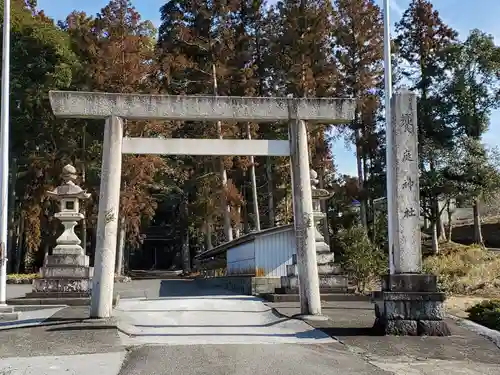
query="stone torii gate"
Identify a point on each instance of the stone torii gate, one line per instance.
(113, 108)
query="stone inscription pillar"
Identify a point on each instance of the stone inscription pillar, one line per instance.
(409, 303)
(407, 245)
(107, 220)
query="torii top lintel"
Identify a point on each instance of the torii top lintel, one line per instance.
(99, 105)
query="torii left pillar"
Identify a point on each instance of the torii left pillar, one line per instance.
(107, 220)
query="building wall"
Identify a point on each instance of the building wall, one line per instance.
(241, 259)
(273, 252)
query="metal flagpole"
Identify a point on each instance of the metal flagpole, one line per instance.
(388, 133)
(4, 151)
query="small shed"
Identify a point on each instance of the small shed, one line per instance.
(263, 254)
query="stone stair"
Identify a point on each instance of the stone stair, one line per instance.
(8, 314)
(331, 277)
(334, 284)
(155, 274)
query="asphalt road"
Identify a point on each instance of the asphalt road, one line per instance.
(280, 359)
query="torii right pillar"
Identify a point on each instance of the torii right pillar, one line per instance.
(409, 302)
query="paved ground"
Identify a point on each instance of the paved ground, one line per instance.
(18, 290)
(281, 359)
(192, 330)
(179, 327)
(65, 347)
(465, 352)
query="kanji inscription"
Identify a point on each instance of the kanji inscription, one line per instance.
(408, 183)
(407, 156)
(407, 122)
(409, 212)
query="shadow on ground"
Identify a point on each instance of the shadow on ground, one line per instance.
(165, 288)
(194, 288)
(85, 327)
(342, 332)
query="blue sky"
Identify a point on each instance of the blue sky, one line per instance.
(463, 15)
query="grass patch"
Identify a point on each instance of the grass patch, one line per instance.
(466, 270)
(486, 313)
(22, 278)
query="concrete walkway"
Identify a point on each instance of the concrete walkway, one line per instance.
(186, 314)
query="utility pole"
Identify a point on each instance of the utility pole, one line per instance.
(388, 132)
(4, 151)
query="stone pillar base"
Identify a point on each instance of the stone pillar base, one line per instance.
(410, 305)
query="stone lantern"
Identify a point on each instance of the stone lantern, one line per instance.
(319, 195)
(331, 277)
(66, 272)
(69, 196)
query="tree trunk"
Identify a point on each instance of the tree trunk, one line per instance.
(450, 224)
(121, 247)
(270, 192)
(46, 250)
(478, 234)
(208, 237)
(323, 205)
(186, 246)
(441, 231)
(12, 215)
(439, 220)
(126, 260)
(246, 223)
(93, 238)
(426, 220)
(237, 227)
(20, 248)
(359, 164)
(186, 254)
(82, 207)
(228, 231)
(366, 189)
(15, 243)
(435, 241)
(255, 196)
